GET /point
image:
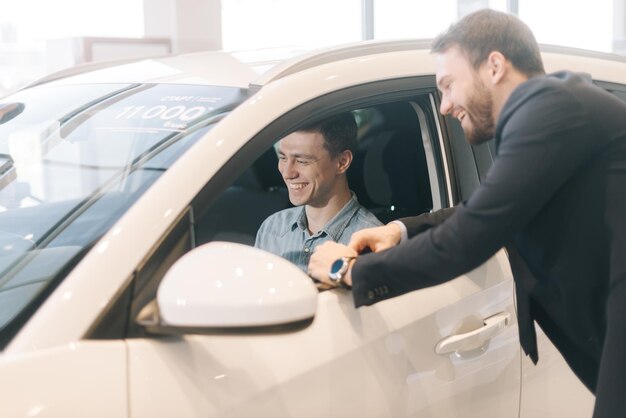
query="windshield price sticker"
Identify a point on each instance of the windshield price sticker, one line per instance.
(176, 113)
(191, 99)
(163, 112)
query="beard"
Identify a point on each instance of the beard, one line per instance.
(481, 115)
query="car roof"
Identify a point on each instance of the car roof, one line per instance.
(254, 69)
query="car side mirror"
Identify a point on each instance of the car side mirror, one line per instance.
(224, 287)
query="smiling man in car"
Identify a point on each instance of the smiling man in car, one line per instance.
(555, 197)
(313, 162)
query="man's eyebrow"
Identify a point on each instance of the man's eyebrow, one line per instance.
(299, 155)
(304, 156)
(442, 80)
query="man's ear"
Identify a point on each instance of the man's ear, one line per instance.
(344, 161)
(496, 67)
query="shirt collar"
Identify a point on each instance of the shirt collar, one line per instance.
(300, 221)
(336, 225)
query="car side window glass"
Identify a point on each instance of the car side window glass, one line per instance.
(390, 171)
(238, 212)
(471, 162)
(483, 156)
(389, 174)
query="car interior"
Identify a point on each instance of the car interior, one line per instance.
(389, 176)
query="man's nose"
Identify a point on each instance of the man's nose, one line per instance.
(446, 105)
(288, 170)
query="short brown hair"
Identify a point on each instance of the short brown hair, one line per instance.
(482, 32)
(339, 132)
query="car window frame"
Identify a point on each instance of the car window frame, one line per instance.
(419, 90)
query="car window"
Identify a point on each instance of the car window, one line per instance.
(396, 172)
(70, 168)
(389, 175)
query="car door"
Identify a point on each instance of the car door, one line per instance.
(549, 388)
(449, 350)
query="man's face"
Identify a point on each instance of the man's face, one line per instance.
(311, 175)
(465, 96)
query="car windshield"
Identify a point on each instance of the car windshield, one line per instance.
(73, 159)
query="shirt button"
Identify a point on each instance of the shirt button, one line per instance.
(370, 295)
(307, 249)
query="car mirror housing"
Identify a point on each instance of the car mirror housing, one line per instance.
(224, 287)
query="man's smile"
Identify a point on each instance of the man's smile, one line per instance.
(297, 186)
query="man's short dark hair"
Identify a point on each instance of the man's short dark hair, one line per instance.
(339, 133)
(482, 32)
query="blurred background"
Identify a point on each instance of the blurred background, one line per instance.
(38, 37)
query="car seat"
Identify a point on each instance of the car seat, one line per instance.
(389, 173)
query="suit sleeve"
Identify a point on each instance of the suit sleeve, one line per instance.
(417, 224)
(545, 137)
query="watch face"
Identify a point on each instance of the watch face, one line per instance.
(336, 266)
(337, 269)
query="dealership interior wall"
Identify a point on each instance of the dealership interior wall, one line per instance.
(65, 33)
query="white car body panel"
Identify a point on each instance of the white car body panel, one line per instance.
(381, 355)
(78, 379)
(386, 349)
(600, 69)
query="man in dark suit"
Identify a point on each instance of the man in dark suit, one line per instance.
(555, 197)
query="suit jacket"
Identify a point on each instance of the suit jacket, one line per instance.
(556, 197)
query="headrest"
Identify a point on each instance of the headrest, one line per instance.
(395, 174)
(394, 170)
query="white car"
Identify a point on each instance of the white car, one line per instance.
(131, 195)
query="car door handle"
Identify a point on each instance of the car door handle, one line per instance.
(476, 339)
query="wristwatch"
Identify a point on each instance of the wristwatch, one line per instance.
(338, 270)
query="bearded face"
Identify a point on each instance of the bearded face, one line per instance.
(479, 110)
(464, 96)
